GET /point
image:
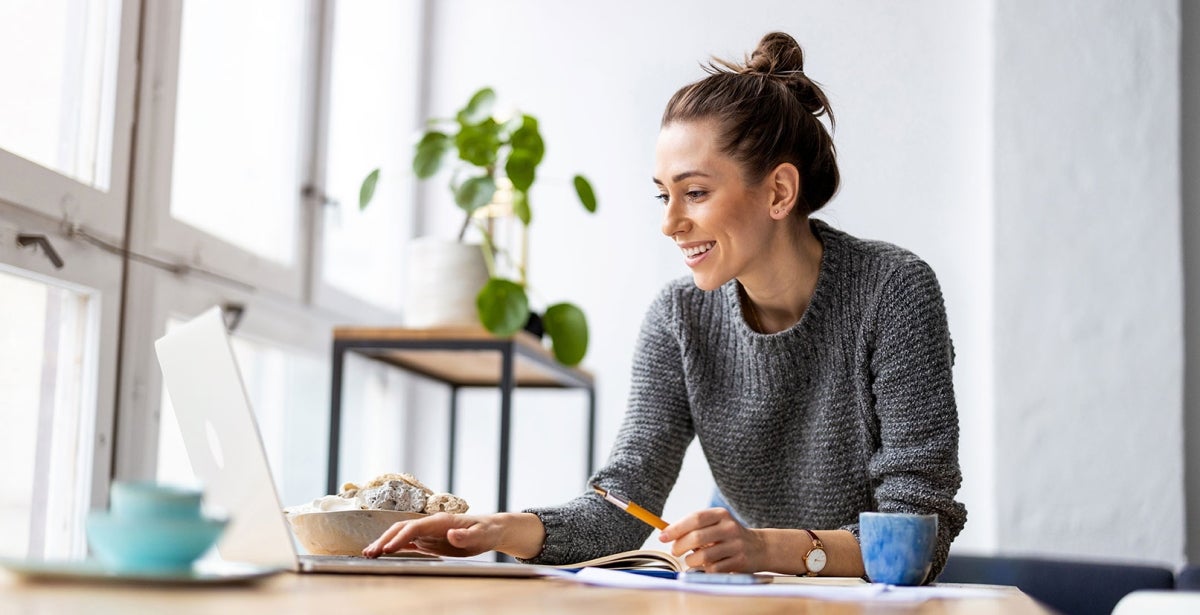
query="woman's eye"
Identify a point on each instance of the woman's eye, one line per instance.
(696, 195)
(662, 198)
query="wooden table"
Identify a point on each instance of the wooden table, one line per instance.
(295, 594)
(460, 357)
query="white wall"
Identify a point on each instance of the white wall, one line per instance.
(943, 150)
(1088, 320)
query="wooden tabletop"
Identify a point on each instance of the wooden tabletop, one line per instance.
(534, 364)
(296, 594)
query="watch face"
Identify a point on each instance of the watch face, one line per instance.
(815, 560)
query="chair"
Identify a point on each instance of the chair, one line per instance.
(1072, 587)
(1188, 578)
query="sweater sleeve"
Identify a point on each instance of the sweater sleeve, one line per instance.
(645, 459)
(914, 466)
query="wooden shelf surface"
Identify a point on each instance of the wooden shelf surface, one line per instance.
(534, 365)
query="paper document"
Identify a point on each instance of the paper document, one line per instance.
(858, 593)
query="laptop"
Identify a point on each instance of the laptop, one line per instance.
(221, 436)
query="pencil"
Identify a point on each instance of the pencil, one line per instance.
(624, 504)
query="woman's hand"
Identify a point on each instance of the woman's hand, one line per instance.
(518, 534)
(717, 542)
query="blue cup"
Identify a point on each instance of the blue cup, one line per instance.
(897, 548)
(151, 528)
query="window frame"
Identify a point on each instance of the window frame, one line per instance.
(43, 190)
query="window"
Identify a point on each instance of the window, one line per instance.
(372, 122)
(47, 409)
(61, 55)
(240, 123)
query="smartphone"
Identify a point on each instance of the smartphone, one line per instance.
(724, 578)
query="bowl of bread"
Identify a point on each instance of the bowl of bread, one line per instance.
(345, 523)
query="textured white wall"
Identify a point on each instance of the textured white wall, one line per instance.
(1027, 150)
(1088, 281)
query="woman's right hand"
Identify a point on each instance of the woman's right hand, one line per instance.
(518, 534)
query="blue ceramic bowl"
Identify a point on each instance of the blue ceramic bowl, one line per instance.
(148, 500)
(129, 544)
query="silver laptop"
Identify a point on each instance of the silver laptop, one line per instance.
(221, 435)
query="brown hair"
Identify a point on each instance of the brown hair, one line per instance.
(766, 109)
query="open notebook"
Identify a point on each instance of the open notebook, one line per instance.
(641, 559)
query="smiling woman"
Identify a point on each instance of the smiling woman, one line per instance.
(814, 367)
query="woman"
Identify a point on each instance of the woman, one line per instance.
(814, 367)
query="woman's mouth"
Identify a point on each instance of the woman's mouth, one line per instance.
(692, 255)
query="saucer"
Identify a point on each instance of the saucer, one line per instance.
(93, 571)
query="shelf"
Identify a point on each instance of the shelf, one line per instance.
(462, 356)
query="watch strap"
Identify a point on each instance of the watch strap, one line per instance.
(817, 545)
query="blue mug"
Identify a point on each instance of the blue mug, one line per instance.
(897, 548)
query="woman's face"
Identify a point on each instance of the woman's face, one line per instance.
(720, 224)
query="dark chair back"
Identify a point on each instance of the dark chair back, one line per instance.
(1071, 587)
(1188, 578)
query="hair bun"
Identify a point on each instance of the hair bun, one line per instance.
(777, 54)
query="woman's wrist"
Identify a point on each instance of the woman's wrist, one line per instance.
(784, 551)
(521, 534)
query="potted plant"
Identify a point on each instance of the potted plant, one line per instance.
(491, 155)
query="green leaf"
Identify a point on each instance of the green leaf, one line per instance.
(367, 191)
(587, 196)
(479, 144)
(478, 108)
(521, 206)
(431, 149)
(475, 193)
(528, 139)
(567, 328)
(520, 169)
(502, 306)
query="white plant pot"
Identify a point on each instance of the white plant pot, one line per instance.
(442, 279)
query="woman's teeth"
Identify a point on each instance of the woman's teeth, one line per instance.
(698, 250)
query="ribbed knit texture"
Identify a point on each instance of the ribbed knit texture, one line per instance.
(851, 409)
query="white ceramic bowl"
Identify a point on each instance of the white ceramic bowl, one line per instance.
(343, 532)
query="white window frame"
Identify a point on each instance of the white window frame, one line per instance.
(325, 295)
(61, 198)
(95, 272)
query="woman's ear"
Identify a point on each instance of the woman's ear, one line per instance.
(784, 182)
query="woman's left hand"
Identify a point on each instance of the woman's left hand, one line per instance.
(718, 543)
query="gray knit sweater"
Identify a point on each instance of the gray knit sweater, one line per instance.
(851, 409)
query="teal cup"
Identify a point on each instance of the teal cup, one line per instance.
(151, 528)
(897, 548)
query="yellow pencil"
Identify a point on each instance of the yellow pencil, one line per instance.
(631, 508)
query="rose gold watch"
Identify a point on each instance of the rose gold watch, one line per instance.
(815, 559)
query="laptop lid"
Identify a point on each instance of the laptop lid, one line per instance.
(204, 383)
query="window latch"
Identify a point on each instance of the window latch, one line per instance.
(28, 239)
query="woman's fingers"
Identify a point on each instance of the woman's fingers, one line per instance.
(418, 534)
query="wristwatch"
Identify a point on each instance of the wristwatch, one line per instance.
(814, 560)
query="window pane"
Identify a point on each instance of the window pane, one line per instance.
(47, 452)
(61, 56)
(371, 124)
(289, 392)
(239, 121)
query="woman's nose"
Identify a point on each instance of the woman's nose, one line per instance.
(673, 220)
